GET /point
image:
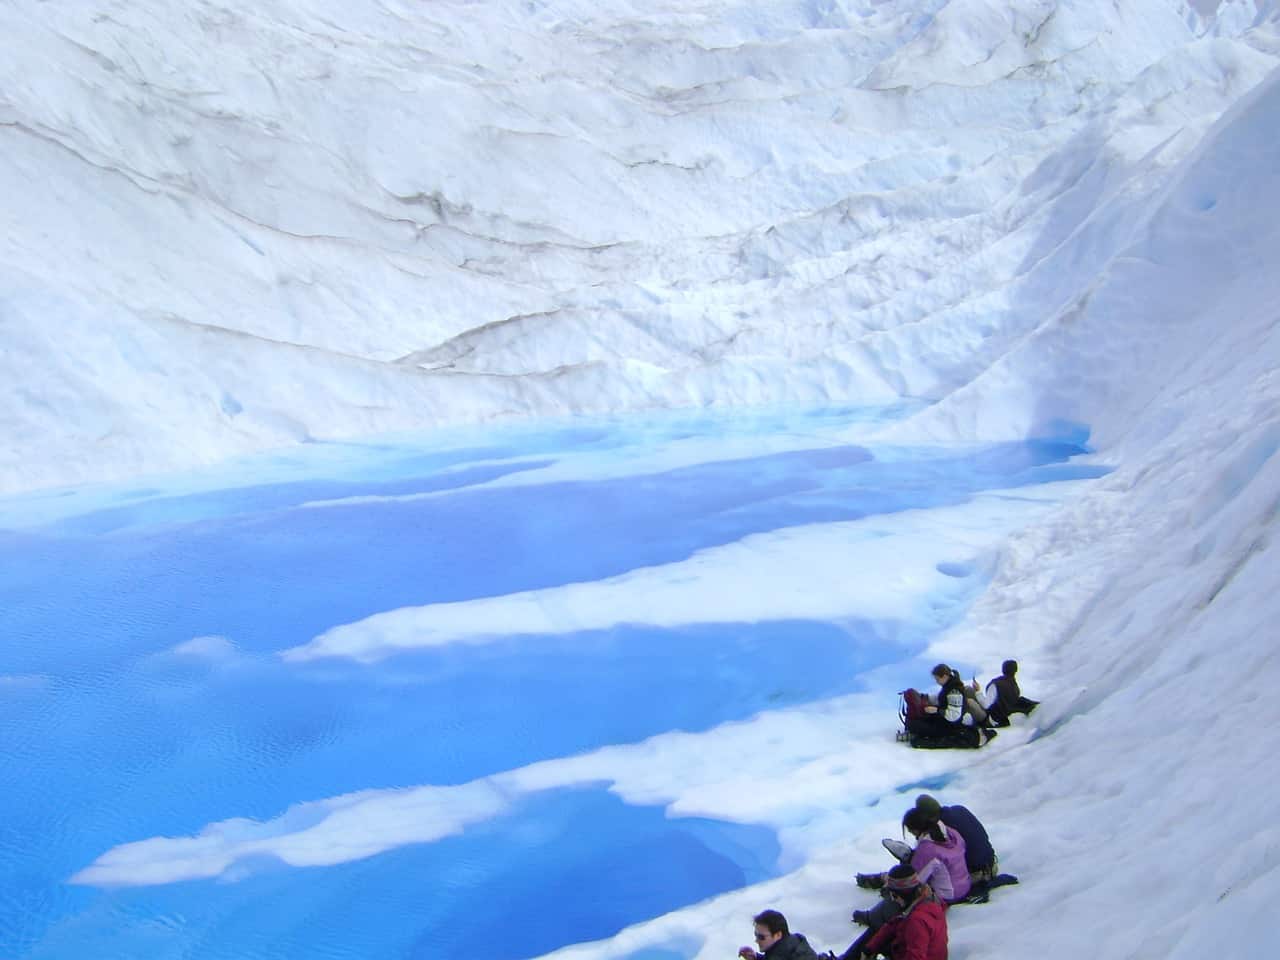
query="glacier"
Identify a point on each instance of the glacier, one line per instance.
(231, 229)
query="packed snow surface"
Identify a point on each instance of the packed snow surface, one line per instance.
(230, 228)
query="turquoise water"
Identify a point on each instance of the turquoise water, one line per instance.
(111, 738)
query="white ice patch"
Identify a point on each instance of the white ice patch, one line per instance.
(651, 450)
(320, 833)
(881, 567)
(210, 648)
(22, 681)
(744, 771)
(884, 566)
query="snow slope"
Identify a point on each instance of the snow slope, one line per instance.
(227, 228)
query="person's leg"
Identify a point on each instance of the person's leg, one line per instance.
(976, 710)
(929, 725)
(870, 881)
(879, 915)
(855, 949)
(985, 871)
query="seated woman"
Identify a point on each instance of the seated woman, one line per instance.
(1004, 696)
(938, 860)
(942, 719)
(939, 855)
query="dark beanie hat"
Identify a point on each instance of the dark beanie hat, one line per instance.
(930, 807)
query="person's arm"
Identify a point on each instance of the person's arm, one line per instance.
(749, 953)
(986, 696)
(930, 867)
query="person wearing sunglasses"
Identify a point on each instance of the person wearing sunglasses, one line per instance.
(775, 941)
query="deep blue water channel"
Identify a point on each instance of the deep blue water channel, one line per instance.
(112, 737)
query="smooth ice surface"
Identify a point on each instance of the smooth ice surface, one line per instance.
(530, 751)
(236, 228)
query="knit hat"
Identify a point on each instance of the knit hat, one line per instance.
(901, 879)
(930, 807)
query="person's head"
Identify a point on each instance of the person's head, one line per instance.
(1009, 668)
(902, 884)
(930, 807)
(917, 823)
(771, 926)
(941, 673)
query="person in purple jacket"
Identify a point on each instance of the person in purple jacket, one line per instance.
(938, 860)
(979, 856)
(939, 856)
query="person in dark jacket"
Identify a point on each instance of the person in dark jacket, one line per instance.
(979, 856)
(1004, 696)
(775, 941)
(943, 716)
(919, 932)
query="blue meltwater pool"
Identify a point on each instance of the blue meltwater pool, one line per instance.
(175, 787)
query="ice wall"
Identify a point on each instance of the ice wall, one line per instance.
(233, 227)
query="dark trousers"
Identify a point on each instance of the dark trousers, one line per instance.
(930, 725)
(999, 713)
(877, 917)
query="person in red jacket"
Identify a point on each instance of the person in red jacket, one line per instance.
(919, 932)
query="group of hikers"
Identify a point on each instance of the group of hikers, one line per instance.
(961, 715)
(952, 860)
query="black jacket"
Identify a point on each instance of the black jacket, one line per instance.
(951, 700)
(791, 947)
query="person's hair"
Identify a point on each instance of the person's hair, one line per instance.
(917, 821)
(942, 670)
(1009, 668)
(930, 807)
(773, 921)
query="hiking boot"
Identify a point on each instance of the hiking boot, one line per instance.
(870, 881)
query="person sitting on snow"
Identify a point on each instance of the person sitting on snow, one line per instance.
(1004, 697)
(918, 932)
(941, 720)
(937, 859)
(979, 856)
(774, 941)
